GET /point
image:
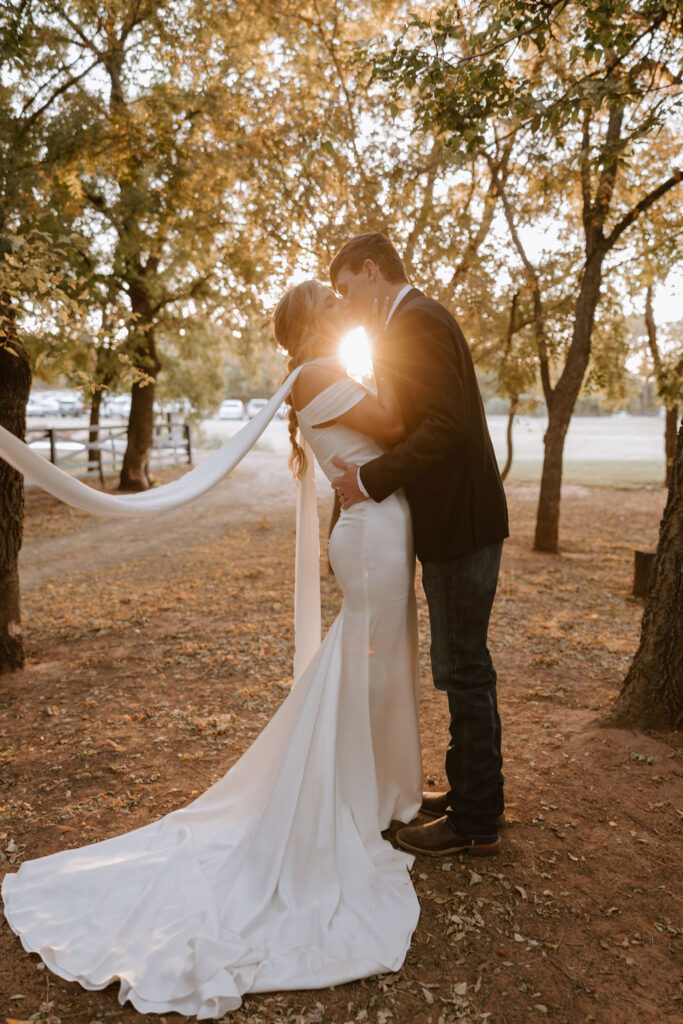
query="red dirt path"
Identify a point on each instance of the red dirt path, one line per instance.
(154, 661)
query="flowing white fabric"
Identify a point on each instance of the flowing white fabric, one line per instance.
(307, 574)
(277, 877)
(193, 485)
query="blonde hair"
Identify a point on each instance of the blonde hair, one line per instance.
(296, 329)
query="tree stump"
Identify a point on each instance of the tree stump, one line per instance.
(642, 571)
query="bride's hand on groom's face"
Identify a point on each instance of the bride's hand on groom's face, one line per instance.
(346, 486)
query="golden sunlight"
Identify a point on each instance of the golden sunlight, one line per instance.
(355, 353)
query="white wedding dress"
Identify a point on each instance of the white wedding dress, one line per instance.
(277, 877)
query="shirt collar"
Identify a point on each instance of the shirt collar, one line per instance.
(403, 292)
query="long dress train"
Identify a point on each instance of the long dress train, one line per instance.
(277, 877)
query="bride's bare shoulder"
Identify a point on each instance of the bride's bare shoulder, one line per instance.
(311, 381)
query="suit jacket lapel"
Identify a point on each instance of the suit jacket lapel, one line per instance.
(396, 349)
(412, 294)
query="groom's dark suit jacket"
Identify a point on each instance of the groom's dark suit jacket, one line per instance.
(446, 464)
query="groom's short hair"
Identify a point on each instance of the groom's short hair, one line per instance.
(371, 245)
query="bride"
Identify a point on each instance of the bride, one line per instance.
(277, 877)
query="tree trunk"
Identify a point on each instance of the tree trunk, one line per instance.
(135, 469)
(643, 561)
(670, 441)
(94, 452)
(652, 694)
(135, 474)
(671, 421)
(15, 378)
(561, 408)
(512, 412)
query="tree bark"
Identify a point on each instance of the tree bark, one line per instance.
(95, 453)
(670, 441)
(597, 245)
(514, 396)
(561, 407)
(643, 562)
(652, 694)
(512, 412)
(15, 378)
(671, 408)
(135, 474)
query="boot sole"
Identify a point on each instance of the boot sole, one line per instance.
(480, 850)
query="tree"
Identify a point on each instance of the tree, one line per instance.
(15, 373)
(652, 694)
(150, 147)
(669, 376)
(658, 250)
(171, 160)
(28, 263)
(515, 369)
(369, 164)
(84, 215)
(583, 87)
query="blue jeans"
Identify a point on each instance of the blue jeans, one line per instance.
(460, 594)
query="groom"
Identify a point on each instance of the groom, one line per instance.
(448, 471)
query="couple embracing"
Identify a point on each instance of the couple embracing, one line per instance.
(278, 876)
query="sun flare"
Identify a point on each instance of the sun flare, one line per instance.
(355, 353)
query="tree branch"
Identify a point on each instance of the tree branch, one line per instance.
(640, 207)
(61, 70)
(184, 293)
(30, 121)
(58, 9)
(490, 201)
(608, 176)
(426, 207)
(329, 46)
(514, 36)
(652, 332)
(539, 311)
(584, 165)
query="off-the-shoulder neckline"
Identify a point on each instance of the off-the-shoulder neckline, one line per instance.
(343, 377)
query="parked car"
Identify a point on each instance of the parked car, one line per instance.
(117, 406)
(179, 408)
(231, 409)
(70, 404)
(254, 406)
(283, 411)
(42, 405)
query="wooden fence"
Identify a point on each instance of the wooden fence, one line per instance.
(86, 450)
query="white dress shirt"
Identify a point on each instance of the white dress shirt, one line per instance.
(404, 291)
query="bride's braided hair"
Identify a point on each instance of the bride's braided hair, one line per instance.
(295, 326)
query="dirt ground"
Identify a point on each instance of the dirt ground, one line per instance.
(158, 650)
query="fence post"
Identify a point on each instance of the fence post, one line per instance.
(188, 438)
(53, 447)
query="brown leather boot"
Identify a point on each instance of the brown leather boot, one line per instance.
(438, 838)
(435, 805)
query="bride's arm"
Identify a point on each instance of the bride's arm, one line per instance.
(379, 417)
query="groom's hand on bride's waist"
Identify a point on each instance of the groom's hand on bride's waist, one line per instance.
(348, 486)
